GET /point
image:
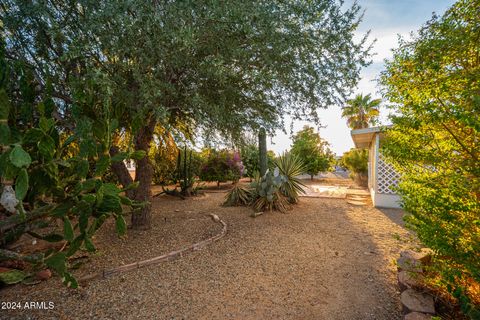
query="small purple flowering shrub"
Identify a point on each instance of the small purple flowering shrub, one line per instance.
(222, 166)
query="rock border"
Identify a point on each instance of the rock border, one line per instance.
(166, 257)
(417, 304)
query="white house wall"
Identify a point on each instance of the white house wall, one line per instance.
(386, 181)
(386, 200)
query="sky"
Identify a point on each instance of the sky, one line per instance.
(386, 19)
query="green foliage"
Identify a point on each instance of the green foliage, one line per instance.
(356, 161)
(222, 166)
(267, 194)
(290, 166)
(161, 63)
(238, 196)
(274, 191)
(250, 159)
(434, 143)
(265, 69)
(361, 111)
(12, 276)
(313, 150)
(163, 157)
(51, 187)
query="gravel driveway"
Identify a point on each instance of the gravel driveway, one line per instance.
(325, 259)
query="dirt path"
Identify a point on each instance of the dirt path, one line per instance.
(325, 259)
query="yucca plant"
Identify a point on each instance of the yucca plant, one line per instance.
(291, 166)
(239, 195)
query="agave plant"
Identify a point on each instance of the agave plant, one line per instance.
(239, 195)
(266, 192)
(291, 166)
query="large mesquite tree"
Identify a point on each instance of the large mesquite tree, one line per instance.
(220, 67)
(433, 80)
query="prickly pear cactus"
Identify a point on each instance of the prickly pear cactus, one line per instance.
(268, 186)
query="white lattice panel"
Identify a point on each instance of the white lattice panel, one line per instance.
(387, 177)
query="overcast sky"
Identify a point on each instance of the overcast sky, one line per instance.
(386, 19)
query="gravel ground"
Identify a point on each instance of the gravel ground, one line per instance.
(325, 259)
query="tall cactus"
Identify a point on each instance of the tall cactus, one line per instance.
(184, 171)
(262, 145)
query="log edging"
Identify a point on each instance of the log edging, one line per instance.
(165, 257)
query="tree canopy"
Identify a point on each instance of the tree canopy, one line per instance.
(312, 150)
(361, 111)
(205, 66)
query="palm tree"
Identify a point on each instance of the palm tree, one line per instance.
(361, 111)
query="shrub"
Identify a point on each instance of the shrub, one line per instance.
(222, 166)
(163, 156)
(250, 159)
(434, 144)
(356, 161)
(291, 166)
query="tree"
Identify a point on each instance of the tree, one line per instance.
(356, 161)
(216, 67)
(313, 151)
(361, 111)
(434, 143)
(250, 159)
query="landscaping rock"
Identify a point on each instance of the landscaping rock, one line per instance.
(417, 316)
(417, 302)
(408, 280)
(43, 274)
(412, 260)
(424, 256)
(409, 264)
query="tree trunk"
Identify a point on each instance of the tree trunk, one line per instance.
(121, 171)
(262, 146)
(141, 218)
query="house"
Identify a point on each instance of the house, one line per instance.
(382, 178)
(130, 164)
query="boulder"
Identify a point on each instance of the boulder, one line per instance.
(424, 255)
(406, 263)
(415, 301)
(417, 316)
(408, 279)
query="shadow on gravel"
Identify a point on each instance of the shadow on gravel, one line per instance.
(324, 259)
(395, 215)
